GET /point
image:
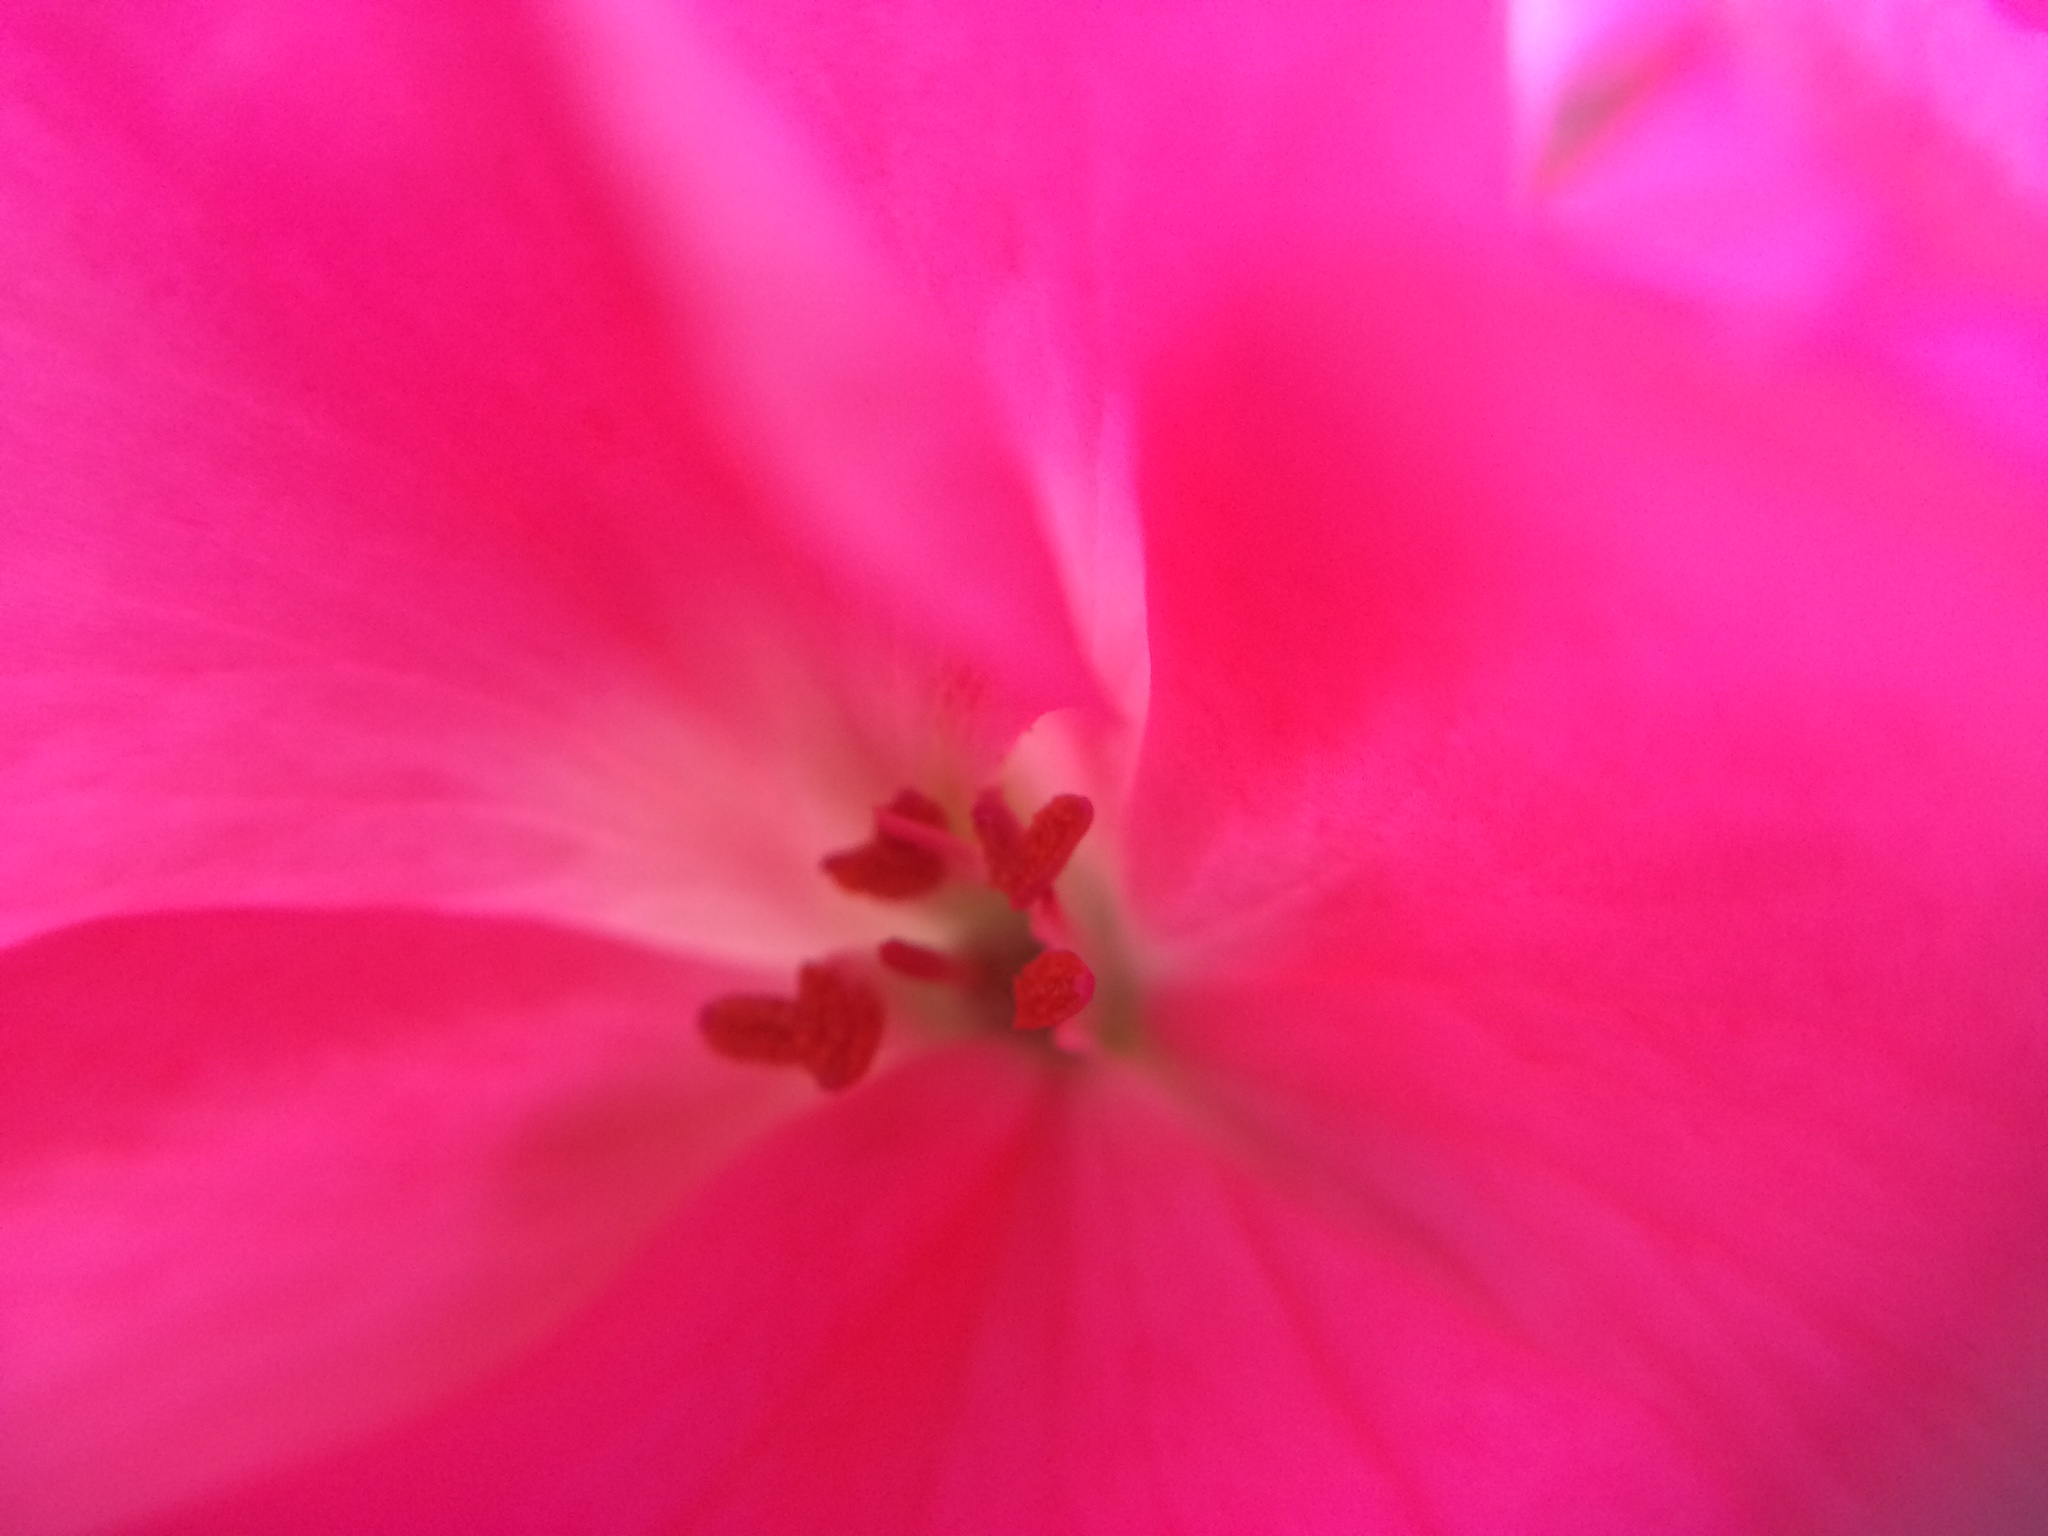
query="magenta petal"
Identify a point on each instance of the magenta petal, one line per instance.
(1060, 175)
(784, 1358)
(1437, 555)
(1616, 781)
(863, 444)
(1083, 1318)
(1064, 179)
(267, 1181)
(379, 529)
(1812, 1247)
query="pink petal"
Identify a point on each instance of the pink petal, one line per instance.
(1062, 179)
(1812, 1247)
(1936, 112)
(806, 1364)
(1976, 71)
(1619, 779)
(1665, 157)
(1103, 158)
(1082, 1317)
(398, 510)
(267, 1181)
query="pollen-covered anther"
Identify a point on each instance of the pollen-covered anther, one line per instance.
(896, 864)
(832, 1027)
(1051, 989)
(1024, 861)
(750, 1028)
(843, 1020)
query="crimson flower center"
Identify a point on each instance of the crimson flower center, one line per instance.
(1013, 968)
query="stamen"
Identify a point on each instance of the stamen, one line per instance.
(1054, 987)
(915, 805)
(915, 818)
(753, 1029)
(897, 863)
(887, 868)
(833, 1027)
(924, 964)
(1000, 833)
(1023, 861)
(1055, 832)
(843, 1019)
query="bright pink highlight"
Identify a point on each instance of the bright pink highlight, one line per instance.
(2028, 13)
(1867, 175)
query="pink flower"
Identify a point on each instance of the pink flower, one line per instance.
(1566, 882)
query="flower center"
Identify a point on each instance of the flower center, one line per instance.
(1010, 965)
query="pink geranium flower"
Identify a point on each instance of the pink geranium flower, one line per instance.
(1556, 930)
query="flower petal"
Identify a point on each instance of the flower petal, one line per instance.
(1615, 779)
(1083, 1317)
(1978, 71)
(1868, 169)
(1106, 156)
(1404, 509)
(269, 1180)
(1935, 113)
(397, 510)
(1655, 146)
(792, 1384)
(1065, 179)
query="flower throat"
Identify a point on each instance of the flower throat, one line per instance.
(1014, 971)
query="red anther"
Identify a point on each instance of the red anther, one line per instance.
(753, 1029)
(1055, 986)
(1055, 832)
(919, 962)
(833, 1026)
(887, 867)
(912, 806)
(920, 821)
(1023, 861)
(840, 1018)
